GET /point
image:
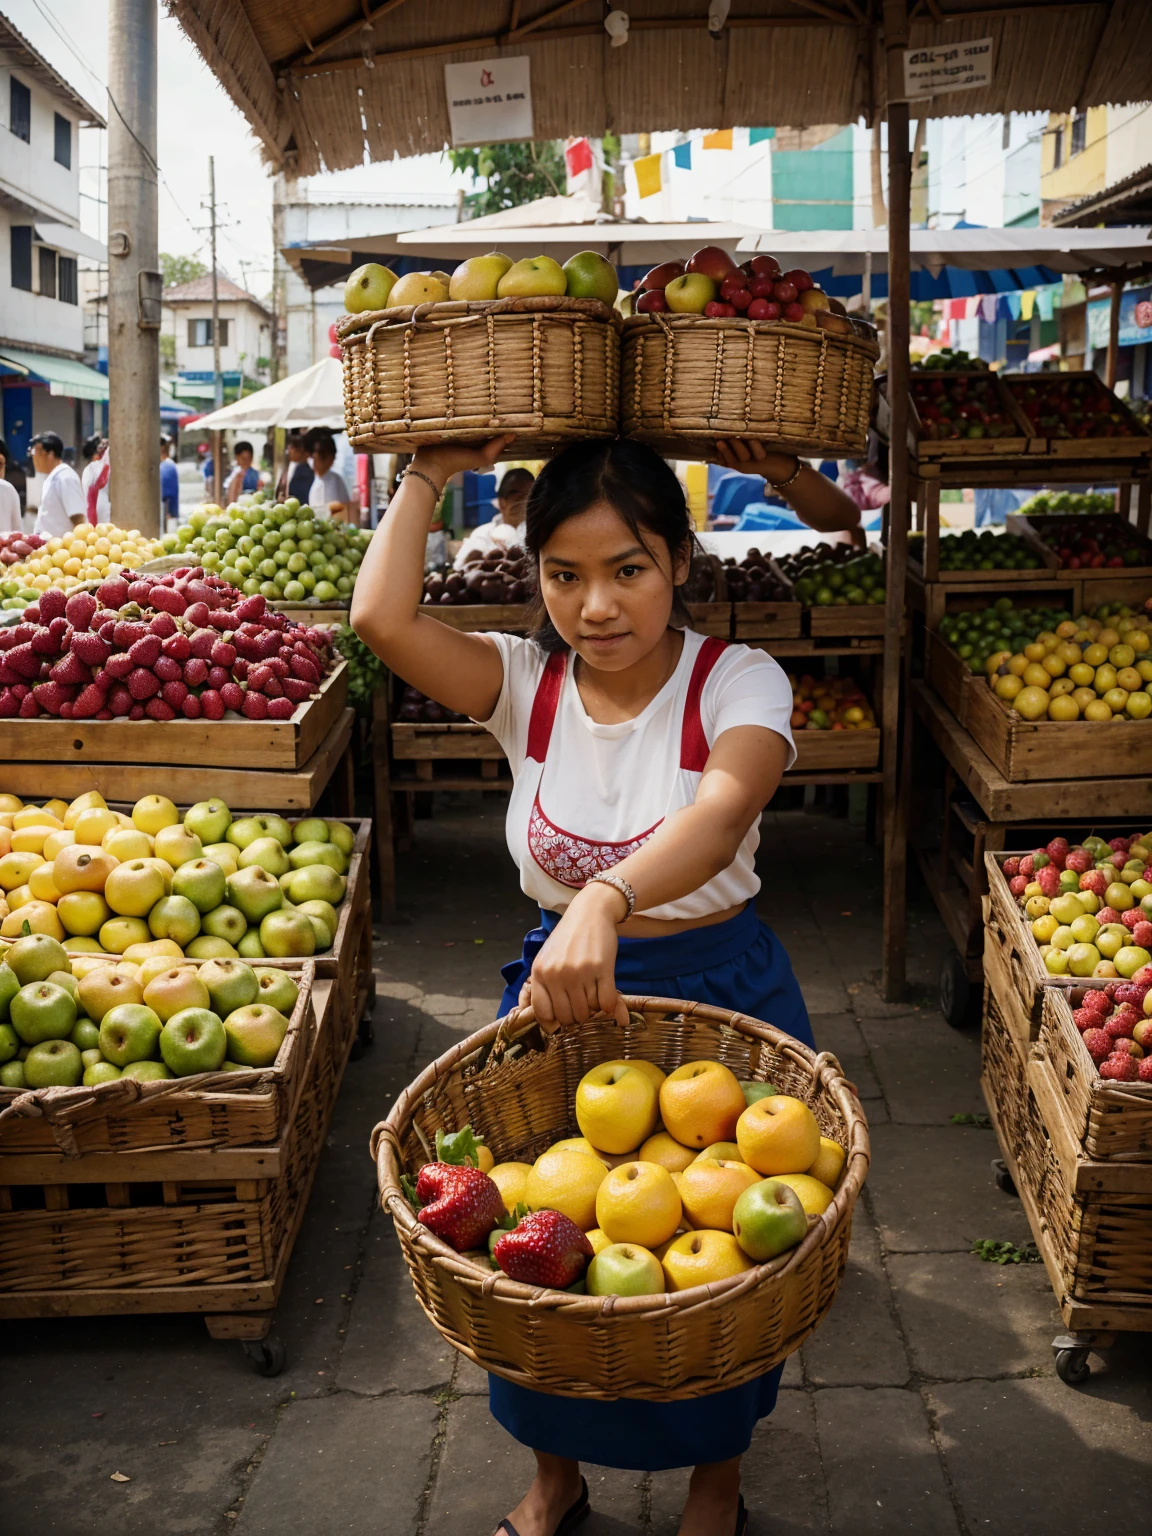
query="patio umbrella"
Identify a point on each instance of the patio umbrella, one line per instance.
(312, 398)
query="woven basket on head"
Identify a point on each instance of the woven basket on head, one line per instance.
(687, 380)
(518, 1088)
(547, 369)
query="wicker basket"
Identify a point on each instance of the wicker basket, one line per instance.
(687, 380)
(547, 369)
(1111, 1121)
(518, 1088)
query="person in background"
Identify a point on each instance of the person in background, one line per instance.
(9, 497)
(94, 480)
(296, 477)
(207, 468)
(61, 497)
(506, 529)
(328, 494)
(169, 482)
(244, 476)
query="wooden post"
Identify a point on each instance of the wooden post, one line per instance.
(1113, 336)
(217, 467)
(899, 215)
(382, 823)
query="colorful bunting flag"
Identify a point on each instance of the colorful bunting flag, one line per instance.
(648, 179)
(578, 154)
(682, 155)
(758, 135)
(721, 140)
(1027, 303)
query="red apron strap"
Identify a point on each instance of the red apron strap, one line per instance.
(693, 745)
(544, 706)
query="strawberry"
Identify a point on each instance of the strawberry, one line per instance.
(168, 600)
(119, 664)
(167, 668)
(252, 607)
(240, 669)
(45, 643)
(145, 651)
(255, 707)
(546, 1248)
(158, 709)
(9, 704)
(202, 642)
(90, 648)
(178, 646)
(113, 593)
(89, 703)
(1120, 1068)
(143, 684)
(23, 660)
(70, 669)
(127, 634)
(233, 695)
(29, 708)
(120, 700)
(163, 626)
(79, 609)
(211, 705)
(296, 689)
(461, 1205)
(223, 654)
(191, 707)
(281, 709)
(174, 693)
(195, 671)
(136, 712)
(218, 676)
(50, 696)
(52, 604)
(278, 666)
(196, 615)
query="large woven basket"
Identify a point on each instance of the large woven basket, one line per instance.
(687, 380)
(518, 1088)
(547, 369)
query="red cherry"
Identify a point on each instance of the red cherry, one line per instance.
(652, 302)
(785, 292)
(794, 311)
(758, 309)
(741, 299)
(799, 279)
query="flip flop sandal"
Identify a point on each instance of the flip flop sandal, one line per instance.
(569, 1520)
(741, 1518)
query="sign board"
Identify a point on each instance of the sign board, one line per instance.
(960, 66)
(489, 101)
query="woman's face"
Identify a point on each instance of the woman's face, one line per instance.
(608, 594)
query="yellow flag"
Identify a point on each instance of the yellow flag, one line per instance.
(721, 140)
(1027, 303)
(648, 175)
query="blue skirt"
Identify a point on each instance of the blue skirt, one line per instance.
(739, 964)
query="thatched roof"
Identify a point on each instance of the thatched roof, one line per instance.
(296, 68)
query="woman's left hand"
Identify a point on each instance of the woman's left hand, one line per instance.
(751, 457)
(574, 974)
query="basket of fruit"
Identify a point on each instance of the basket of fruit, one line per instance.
(1093, 1061)
(527, 347)
(716, 350)
(603, 1257)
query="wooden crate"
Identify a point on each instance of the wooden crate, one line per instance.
(847, 619)
(1012, 965)
(925, 450)
(817, 751)
(1111, 1122)
(712, 618)
(480, 616)
(1083, 447)
(1056, 749)
(767, 621)
(1096, 1246)
(214, 1109)
(922, 570)
(1034, 529)
(948, 675)
(322, 614)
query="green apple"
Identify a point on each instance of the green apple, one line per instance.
(208, 820)
(224, 854)
(9, 986)
(255, 1035)
(1066, 909)
(64, 979)
(1085, 929)
(174, 990)
(1055, 961)
(231, 984)
(287, 933)
(128, 1033)
(146, 1071)
(278, 990)
(268, 853)
(754, 1092)
(1141, 889)
(53, 1064)
(324, 919)
(590, 276)
(368, 288)
(12, 1075)
(479, 277)
(200, 881)
(1119, 897)
(624, 1269)
(41, 1011)
(207, 947)
(305, 855)
(1083, 959)
(1064, 938)
(688, 294)
(225, 922)
(313, 829)
(767, 1219)
(85, 1035)
(175, 918)
(250, 947)
(1111, 939)
(35, 957)
(531, 278)
(176, 846)
(90, 1057)
(316, 882)
(1129, 959)
(99, 1072)
(193, 1041)
(249, 828)
(255, 892)
(9, 1043)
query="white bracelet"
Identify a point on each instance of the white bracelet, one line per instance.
(618, 883)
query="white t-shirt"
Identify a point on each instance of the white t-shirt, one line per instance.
(326, 488)
(9, 508)
(494, 537)
(60, 501)
(585, 795)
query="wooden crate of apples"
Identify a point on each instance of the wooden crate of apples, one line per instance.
(677, 1180)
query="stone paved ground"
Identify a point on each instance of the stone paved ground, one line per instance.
(927, 1404)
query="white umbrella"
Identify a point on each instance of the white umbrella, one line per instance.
(312, 398)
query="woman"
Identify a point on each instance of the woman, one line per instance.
(642, 755)
(10, 519)
(244, 477)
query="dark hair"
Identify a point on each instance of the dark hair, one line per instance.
(635, 481)
(51, 442)
(322, 443)
(91, 446)
(513, 481)
(242, 447)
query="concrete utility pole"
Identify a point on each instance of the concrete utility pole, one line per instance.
(217, 380)
(133, 260)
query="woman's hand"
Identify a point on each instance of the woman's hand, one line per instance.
(440, 464)
(751, 457)
(574, 974)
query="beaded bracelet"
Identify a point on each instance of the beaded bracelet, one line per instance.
(618, 883)
(435, 489)
(782, 485)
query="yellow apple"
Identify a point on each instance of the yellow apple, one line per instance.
(417, 288)
(534, 277)
(369, 287)
(479, 276)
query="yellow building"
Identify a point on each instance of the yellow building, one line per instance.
(1081, 153)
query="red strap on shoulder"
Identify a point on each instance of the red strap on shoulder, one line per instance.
(545, 704)
(693, 745)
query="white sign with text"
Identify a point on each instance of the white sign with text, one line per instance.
(961, 66)
(490, 101)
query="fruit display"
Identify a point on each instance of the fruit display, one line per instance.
(158, 648)
(1088, 906)
(829, 704)
(63, 1025)
(1095, 543)
(417, 709)
(984, 551)
(480, 279)
(834, 575)
(948, 361)
(281, 551)
(675, 1180)
(492, 579)
(710, 283)
(1115, 1024)
(961, 406)
(1097, 668)
(87, 553)
(975, 634)
(754, 580)
(1061, 406)
(1061, 503)
(202, 886)
(366, 672)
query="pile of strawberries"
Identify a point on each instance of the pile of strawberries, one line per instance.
(1116, 1029)
(158, 647)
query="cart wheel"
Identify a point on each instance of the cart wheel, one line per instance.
(1072, 1366)
(365, 1035)
(959, 1000)
(1004, 1180)
(268, 1355)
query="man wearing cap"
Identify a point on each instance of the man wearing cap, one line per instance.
(61, 498)
(169, 483)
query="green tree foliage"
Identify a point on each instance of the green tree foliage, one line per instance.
(180, 269)
(514, 173)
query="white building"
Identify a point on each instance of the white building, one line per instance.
(44, 382)
(245, 338)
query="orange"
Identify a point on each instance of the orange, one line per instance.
(728, 1151)
(576, 1144)
(830, 1163)
(702, 1258)
(778, 1135)
(813, 1195)
(509, 1179)
(616, 1107)
(638, 1203)
(709, 1189)
(700, 1103)
(566, 1182)
(598, 1240)
(667, 1151)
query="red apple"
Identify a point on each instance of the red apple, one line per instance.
(652, 302)
(661, 276)
(799, 279)
(785, 292)
(764, 266)
(712, 262)
(793, 312)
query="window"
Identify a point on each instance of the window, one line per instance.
(22, 257)
(20, 109)
(66, 280)
(47, 272)
(1058, 149)
(200, 333)
(63, 142)
(1079, 132)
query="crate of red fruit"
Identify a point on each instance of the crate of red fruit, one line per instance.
(1077, 416)
(965, 415)
(488, 593)
(713, 350)
(1093, 546)
(146, 668)
(764, 604)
